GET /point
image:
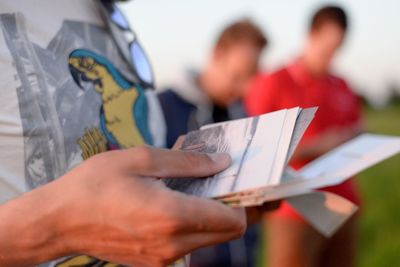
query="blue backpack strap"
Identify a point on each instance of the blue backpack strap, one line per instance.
(177, 113)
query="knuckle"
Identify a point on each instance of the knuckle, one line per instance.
(171, 222)
(144, 156)
(143, 152)
(171, 226)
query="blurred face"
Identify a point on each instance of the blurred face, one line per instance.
(323, 44)
(232, 69)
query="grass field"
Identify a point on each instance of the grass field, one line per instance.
(379, 229)
(379, 224)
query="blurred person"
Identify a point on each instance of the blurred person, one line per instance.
(309, 82)
(212, 95)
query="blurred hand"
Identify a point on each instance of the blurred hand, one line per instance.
(335, 137)
(109, 208)
(325, 142)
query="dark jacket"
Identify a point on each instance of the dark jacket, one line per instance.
(185, 109)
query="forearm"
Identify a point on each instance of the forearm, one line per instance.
(29, 232)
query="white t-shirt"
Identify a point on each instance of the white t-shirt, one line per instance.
(65, 93)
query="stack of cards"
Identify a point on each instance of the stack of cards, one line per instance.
(261, 147)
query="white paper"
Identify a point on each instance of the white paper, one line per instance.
(325, 211)
(303, 121)
(351, 158)
(283, 146)
(258, 161)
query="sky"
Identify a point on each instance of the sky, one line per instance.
(178, 34)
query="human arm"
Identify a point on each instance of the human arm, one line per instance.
(108, 208)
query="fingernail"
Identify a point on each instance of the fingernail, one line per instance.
(220, 158)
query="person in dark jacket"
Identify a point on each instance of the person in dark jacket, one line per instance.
(213, 95)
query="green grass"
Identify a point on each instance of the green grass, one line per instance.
(379, 223)
(379, 227)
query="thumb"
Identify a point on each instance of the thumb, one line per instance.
(164, 163)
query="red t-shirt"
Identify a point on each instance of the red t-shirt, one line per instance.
(294, 86)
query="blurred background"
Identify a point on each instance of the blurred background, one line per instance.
(178, 34)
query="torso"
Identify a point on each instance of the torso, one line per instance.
(48, 122)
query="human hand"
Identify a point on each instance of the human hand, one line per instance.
(336, 136)
(109, 208)
(325, 142)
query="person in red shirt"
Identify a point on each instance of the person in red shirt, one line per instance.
(308, 82)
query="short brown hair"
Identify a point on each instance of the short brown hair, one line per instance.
(332, 14)
(242, 31)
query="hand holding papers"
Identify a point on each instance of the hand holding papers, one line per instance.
(259, 147)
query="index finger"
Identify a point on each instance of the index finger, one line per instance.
(211, 216)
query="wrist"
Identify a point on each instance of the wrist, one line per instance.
(30, 229)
